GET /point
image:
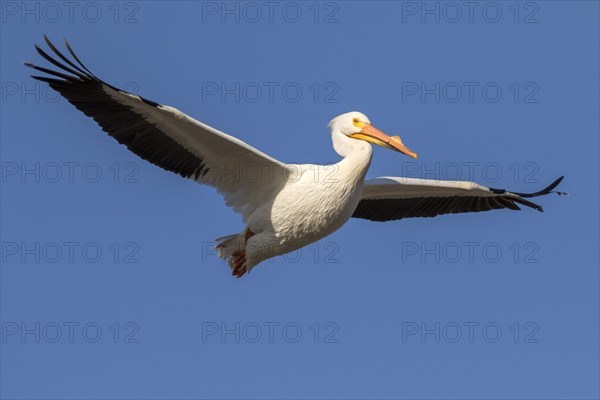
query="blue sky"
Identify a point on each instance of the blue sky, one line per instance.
(109, 286)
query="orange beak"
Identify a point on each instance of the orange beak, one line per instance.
(373, 135)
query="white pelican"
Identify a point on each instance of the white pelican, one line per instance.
(284, 207)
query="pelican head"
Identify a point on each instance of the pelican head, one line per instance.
(357, 125)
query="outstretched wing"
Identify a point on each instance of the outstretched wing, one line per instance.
(167, 137)
(391, 198)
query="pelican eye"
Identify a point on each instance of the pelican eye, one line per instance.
(356, 121)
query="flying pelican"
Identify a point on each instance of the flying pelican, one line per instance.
(284, 206)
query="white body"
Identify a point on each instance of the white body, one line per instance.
(314, 203)
(287, 206)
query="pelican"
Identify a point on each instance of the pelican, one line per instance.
(284, 206)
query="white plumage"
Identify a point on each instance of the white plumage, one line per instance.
(284, 206)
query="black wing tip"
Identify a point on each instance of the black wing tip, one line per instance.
(555, 184)
(530, 204)
(537, 207)
(543, 192)
(80, 71)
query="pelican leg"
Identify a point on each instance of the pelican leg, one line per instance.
(238, 263)
(238, 258)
